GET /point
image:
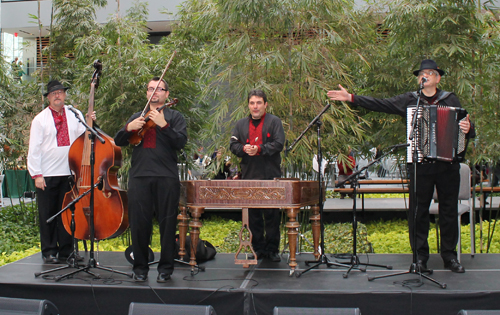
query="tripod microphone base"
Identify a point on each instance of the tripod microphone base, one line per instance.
(323, 260)
(86, 269)
(414, 269)
(356, 263)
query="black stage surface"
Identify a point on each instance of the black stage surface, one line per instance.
(231, 289)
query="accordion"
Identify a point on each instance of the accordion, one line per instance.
(437, 135)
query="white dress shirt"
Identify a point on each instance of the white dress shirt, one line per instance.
(44, 156)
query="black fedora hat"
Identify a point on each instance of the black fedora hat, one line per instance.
(54, 85)
(428, 64)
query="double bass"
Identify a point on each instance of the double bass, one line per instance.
(110, 215)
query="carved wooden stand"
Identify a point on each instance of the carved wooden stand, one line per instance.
(245, 242)
(278, 194)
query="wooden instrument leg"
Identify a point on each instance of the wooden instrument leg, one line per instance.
(245, 241)
(316, 229)
(293, 227)
(195, 225)
(183, 227)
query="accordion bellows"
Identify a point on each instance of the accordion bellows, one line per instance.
(438, 135)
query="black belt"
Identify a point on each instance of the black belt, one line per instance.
(425, 161)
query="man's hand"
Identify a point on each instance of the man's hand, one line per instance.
(251, 150)
(40, 182)
(465, 125)
(339, 95)
(93, 116)
(136, 124)
(158, 118)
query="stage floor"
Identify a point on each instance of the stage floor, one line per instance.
(232, 289)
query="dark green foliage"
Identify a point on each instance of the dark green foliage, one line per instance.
(338, 238)
(293, 50)
(19, 230)
(463, 37)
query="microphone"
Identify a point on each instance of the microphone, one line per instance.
(74, 110)
(422, 81)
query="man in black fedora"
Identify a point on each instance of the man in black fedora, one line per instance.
(444, 176)
(52, 132)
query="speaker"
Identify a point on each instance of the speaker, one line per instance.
(170, 309)
(11, 306)
(479, 312)
(315, 311)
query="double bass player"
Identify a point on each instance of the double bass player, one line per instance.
(52, 132)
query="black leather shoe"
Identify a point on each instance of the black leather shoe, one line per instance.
(70, 257)
(274, 257)
(259, 256)
(163, 277)
(422, 267)
(140, 278)
(454, 266)
(79, 258)
(51, 259)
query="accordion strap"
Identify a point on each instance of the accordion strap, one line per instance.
(441, 96)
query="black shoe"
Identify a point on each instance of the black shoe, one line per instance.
(78, 257)
(163, 277)
(454, 266)
(140, 278)
(259, 256)
(422, 267)
(274, 257)
(70, 257)
(51, 259)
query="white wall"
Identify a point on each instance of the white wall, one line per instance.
(15, 15)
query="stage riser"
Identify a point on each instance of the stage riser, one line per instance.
(232, 289)
(116, 301)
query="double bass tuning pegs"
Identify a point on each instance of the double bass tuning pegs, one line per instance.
(98, 65)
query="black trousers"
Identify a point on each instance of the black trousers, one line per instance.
(265, 228)
(447, 184)
(54, 238)
(150, 196)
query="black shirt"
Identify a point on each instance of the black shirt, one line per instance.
(158, 156)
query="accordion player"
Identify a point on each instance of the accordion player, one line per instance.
(438, 135)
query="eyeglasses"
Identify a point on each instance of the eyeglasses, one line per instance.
(159, 89)
(57, 92)
(428, 72)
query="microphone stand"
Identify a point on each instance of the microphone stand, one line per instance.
(323, 259)
(414, 268)
(72, 262)
(353, 179)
